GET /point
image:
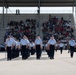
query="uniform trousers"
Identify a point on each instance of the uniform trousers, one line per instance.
(72, 51)
(24, 52)
(38, 52)
(17, 52)
(48, 53)
(9, 53)
(13, 53)
(51, 52)
(28, 52)
(32, 51)
(61, 49)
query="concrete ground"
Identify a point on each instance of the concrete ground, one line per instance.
(61, 65)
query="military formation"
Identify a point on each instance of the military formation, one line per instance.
(25, 48)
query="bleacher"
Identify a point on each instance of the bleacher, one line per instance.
(23, 17)
(18, 29)
(61, 28)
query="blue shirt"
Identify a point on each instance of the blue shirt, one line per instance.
(24, 42)
(52, 42)
(38, 41)
(72, 42)
(9, 43)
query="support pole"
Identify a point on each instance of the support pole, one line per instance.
(75, 16)
(3, 16)
(6, 10)
(38, 16)
(73, 9)
(6, 51)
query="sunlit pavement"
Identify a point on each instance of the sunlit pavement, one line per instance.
(61, 65)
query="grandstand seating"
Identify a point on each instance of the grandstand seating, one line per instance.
(23, 17)
(61, 29)
(17, 29)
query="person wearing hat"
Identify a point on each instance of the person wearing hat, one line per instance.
(14, 43)
(51, 44)
(24, 45)
(72, 45)
(38, 46)
(28, 50)
(8, 47)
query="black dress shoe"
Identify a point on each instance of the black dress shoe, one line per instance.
(50, 57)
(53, 58)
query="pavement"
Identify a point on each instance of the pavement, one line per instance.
(61, 65)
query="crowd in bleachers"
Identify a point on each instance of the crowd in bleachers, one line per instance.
(18, 29)
(60, 28)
